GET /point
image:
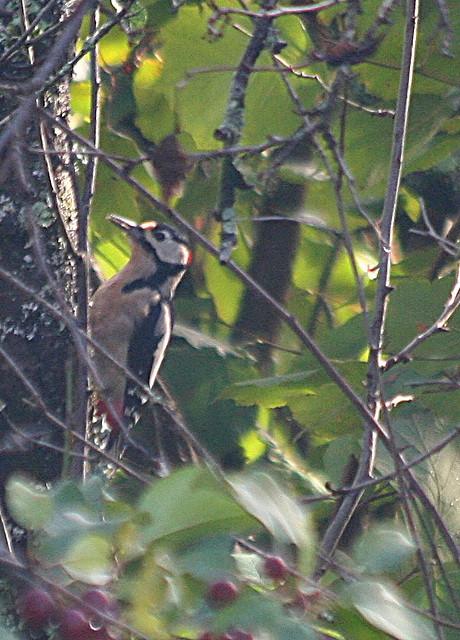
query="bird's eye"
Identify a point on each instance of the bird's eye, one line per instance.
(160, 235)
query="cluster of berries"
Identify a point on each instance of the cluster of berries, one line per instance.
(39, 609)
(223, 593)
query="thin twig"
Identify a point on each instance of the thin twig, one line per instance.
(446, 26)
(406, 500)
(28, 437)
(27, 32)
(438, 325)
(38, 399)
(275, 13)
(432, 541)
(382, 18)
(80, 411)
(408, 465)
(366, 463)
(294, 70)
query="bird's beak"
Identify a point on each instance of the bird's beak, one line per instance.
(124, 223)
(133, 229)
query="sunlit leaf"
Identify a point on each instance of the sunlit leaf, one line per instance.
(90, 559)
(30, 505)
(383, 548)
(270, 392)
(262, 615)
(280, 514)
(188, 504)
(382, 607)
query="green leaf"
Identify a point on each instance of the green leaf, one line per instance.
(337, 456)
(159, 12)
(80, 95)
(30, 505)
(279, 513)
(114, 47)
(225, 288)
(269, 392)
(381, 605)
(383, 548)
(90, 559)
(327, 413)
(413, 307)
(188, 505)
(198, 377)
(120, 107)
(185, 48)
(209, 559)
(262, 615)
(418, 431)
(352, 625)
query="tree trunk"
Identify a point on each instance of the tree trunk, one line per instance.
(38, 223)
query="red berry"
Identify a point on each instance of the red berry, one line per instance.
(36, 608)
(97, 599)
(241, 635)
(100, 600)
(75, 625)
(221, 594)
(298, 602)
(275, 568)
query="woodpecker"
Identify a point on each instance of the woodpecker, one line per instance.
(131, 315)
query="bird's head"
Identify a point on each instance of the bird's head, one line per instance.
(164, 244)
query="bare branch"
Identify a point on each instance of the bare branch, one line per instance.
(408, 465)
(446, 26)
(274, 13)
(366, 463)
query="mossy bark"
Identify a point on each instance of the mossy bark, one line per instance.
(40, 352)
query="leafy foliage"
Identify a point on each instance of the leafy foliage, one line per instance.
(288, 147)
